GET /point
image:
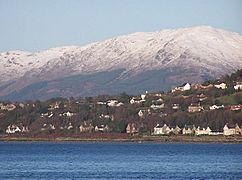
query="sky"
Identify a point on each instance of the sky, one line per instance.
(30, 25)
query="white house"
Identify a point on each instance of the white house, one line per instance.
(55, 105)
(101, 128)
(203, 131)
(176, 130)
(143, 96)
(157, 106)
(158, 129)
(68, 114)
(114, 103)
(69, 126)
(11, 129)
(86, 127)
(52, 126)
(162, 130)
(8, 107)
(132, 128)
(101, 103)
(213, 107)
(185, 87)
(136, 100)
(102, 116)
(175, 106)
(231, 130)
(119, 104)
(25, 129)
(238, 86)
(143, 112)
(44, 114)
(221, 86)
(21, 105)
(188, 129)
(51, 115)
(48, 127)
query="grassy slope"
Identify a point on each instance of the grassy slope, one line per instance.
(235, 98)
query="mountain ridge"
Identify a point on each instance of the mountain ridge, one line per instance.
(204, 50)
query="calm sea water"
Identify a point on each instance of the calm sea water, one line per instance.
(45, 160)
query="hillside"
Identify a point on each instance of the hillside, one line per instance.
(204, 105)
(132, 63)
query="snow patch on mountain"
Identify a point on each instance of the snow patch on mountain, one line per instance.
(202, 49)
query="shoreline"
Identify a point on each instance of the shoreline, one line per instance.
(130, 139)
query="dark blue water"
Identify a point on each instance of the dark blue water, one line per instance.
(119, 161)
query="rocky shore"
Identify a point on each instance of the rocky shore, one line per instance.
(119, 137)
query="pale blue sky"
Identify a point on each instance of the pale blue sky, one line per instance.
(33, 25)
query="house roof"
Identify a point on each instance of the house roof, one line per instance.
(186, 127)
(203, 127)
(101, 126)
(136, 98)
(231, 125)
(158, 126)
(174, 127)
(161, 126)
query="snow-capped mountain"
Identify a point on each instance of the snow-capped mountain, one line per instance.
(174, 56)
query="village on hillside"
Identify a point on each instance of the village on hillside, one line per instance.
(213, 108)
